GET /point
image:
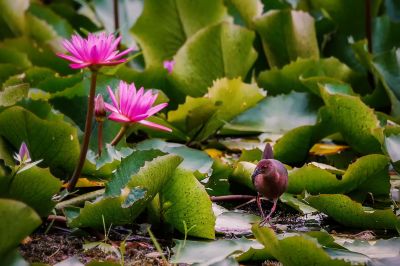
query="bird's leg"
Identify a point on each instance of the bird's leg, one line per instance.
(266, 219)
(258, 199)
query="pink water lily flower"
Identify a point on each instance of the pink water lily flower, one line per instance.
(94, 51)
(132, 106)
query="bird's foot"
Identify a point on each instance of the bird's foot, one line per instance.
(265, 221)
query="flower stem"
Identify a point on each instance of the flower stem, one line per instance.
(88, 129)
(100, 137)
(116, 20)
(368, 23)
(119, 136)
(231, 198)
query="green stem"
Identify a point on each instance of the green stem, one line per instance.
(119, 136)
(368, 24)
(116, 20)
(100, 137)
(88, 129)
(231, 198)
(79, 199)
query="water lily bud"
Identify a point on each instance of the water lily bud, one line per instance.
(23, 155)
(99, 108)
(169, 66)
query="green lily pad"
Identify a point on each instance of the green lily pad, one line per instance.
(232, 53)
(296, 75)
(138, 179)
(248, 10)
(35, 187)
(382, 248)
(356, 122)
(370, 171)
(287, 35)
(219, 108)
(273, 114)
(352, 214)
(18, 221)
(303, 250)
(184, 201)
(193, 160)
(242, 174)
(293, 147)
(163, 27)
(13, 13)
(109, 160)
(299, 205)
(209, 253)
(11, 94)
(234, 222)
(56, 142)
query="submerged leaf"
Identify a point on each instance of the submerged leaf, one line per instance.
(209, 253)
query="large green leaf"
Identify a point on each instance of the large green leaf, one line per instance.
(11, 94)
(304, 250)
(39, 54)
(352, 214)
(35, 187)
(356, 122)
(287, 35)
(184, 201)
(349, 16)
(58, 24)
(386, 35)
(139, 183)
(248, 10)
(13, 14)
(164, 26)
(55, 142)
(222, 50)
(224, 101)
(387, 68)
(17, 222)
(293, 76)
(293, 147)
(370, 170)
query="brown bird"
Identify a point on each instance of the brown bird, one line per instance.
(270, 180)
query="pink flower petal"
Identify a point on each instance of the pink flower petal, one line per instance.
(112, 96)
(156, 109)
(111, 108)
(78, 66)
(154, 125)
(70, 58)
(119, 118)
